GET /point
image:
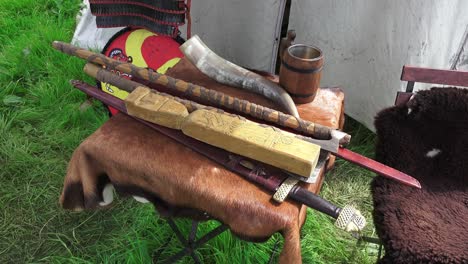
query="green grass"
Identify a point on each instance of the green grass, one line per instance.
(40, 126)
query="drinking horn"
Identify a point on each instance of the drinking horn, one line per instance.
(228, 73)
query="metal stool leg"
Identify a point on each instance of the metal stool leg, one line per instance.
(158, 253)
(188, 245)
(213, 233)
(275, 249)
(191, 244)
(193, 232)
(176, 231)
(373, 240)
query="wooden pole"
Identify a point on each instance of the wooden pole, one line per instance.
(217, 98)
(106, 76)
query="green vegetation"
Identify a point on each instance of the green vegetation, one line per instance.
(41, 123)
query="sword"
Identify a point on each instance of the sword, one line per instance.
(333, 145)
(329, 139)
(347, 218)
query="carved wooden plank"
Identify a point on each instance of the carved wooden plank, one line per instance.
(434, 76)
(263, 143)
(155, 108)
(230, 132)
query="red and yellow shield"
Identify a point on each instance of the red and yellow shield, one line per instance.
(144, 49)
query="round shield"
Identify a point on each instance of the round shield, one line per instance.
(142, 48)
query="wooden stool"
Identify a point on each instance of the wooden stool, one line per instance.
(141, 162)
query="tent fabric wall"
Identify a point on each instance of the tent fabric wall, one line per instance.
(87, 35)
(366, 43)
(244, 32)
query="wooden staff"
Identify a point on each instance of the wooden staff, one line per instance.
(105, 76)
(216, 98)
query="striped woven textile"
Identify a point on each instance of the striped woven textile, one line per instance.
(159, 16)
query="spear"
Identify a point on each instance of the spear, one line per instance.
(215, 98)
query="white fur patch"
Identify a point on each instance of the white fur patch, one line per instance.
(107, 195)
(409, 110)
(140, 199)
(433, 152)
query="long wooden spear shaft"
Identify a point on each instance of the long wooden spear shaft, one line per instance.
(218, 99)
(106, 76)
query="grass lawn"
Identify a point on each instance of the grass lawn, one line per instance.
(41, 124)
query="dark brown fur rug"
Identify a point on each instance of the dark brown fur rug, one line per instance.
(428, 139)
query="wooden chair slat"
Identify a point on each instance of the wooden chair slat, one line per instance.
(434, 76)
(402, 98)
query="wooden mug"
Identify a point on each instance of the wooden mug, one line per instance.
(300, 72)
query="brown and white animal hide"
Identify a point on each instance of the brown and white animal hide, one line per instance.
(138, 161)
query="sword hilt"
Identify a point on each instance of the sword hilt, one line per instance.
(350, 219)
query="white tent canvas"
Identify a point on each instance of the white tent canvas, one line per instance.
(366, 43)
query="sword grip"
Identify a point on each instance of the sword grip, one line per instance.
(314, 201)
